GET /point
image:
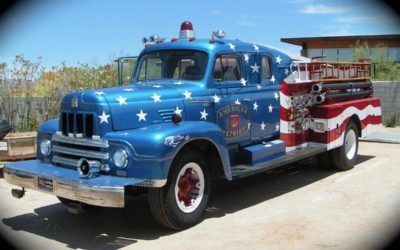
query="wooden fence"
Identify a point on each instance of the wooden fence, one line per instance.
(26, 113)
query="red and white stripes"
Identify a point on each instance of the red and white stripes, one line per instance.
(333, 116)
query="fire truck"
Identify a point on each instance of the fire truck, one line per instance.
(196, 109)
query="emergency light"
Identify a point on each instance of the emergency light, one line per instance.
(186, 31)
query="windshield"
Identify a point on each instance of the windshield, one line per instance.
(173, 65)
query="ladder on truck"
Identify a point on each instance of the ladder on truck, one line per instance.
(325, 71)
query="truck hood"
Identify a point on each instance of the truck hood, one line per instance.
(136, 106)
(131, 106)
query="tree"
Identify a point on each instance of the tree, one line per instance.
(31, 94)
(384, 68)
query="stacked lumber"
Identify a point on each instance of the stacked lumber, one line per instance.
(17, 146)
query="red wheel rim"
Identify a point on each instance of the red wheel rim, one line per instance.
(189, 187)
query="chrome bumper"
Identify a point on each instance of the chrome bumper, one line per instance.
(98, 190)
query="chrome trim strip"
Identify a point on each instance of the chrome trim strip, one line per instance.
(80, 152)
(80, 141)
(152, 183)
(65, 161)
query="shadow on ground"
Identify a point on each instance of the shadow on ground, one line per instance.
(109, 228)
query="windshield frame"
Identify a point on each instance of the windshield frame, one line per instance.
(150, 54)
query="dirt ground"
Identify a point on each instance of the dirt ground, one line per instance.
(395, 130)
(301, 206)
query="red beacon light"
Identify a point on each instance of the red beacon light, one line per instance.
(187, 31)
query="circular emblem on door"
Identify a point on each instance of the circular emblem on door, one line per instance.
(233, 120)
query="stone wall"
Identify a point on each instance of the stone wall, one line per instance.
(389, 93)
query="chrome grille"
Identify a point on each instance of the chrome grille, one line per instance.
(68, 150)
(166, 114)
(80, 152)
(76, 124)
(80, 141)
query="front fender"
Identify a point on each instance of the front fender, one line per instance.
(155, 147)
(49, 127)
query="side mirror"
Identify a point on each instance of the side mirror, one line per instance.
(126, 65)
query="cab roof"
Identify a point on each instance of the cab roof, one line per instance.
(219, 46)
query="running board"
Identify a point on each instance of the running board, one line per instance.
(240, 171)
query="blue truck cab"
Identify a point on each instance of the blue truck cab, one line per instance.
(195, 109)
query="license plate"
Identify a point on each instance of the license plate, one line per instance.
(45, 184)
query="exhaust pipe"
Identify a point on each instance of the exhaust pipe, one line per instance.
(86, 167)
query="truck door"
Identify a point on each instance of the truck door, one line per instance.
(265, 109)
(126, 65)
(232, 112)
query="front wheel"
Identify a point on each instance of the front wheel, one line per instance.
(181, 202)
(344, 157)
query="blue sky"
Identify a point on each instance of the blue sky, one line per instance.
(97, 31)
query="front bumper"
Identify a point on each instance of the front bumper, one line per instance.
(98, 190)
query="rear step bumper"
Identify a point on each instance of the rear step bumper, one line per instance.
(98, 190)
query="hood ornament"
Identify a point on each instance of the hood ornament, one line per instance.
(74, 102)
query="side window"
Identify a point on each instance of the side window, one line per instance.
(227, 68)
(266, 68)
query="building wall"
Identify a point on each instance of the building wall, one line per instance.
(341, 48)
(348, 43)
(346, 54)
(389, 93)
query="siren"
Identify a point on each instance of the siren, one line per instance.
(186, 31)
(218, 34)
(152, 39)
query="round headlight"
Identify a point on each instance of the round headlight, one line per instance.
(45, 147)
(120, 158)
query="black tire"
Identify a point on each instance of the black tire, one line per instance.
(164, 201)
(324, 160)
(338, 156)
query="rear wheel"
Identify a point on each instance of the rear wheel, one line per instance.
(181, 202)
(344, 157)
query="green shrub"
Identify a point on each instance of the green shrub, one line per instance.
(31, 124)
(29, 79)
(392, 120)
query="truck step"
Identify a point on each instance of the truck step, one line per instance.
(240, 171)
(255, 154)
